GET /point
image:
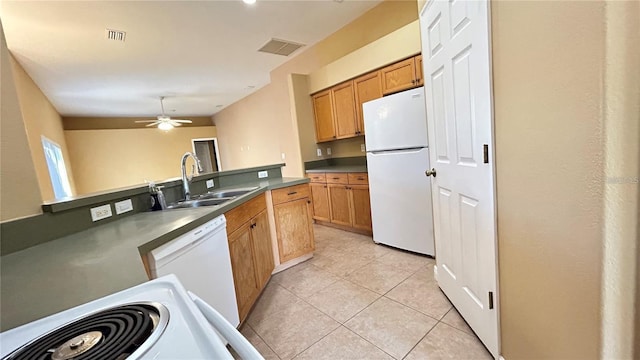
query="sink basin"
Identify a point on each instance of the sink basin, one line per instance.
(198, 202)
(230, 193)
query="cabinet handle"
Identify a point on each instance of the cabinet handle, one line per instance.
(360, 178)
(413, 81)
(292, 193)
(336, 178)
(325, 186)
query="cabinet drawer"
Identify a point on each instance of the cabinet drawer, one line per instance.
(337, 178)
(317, 177)
(243, 213)
(290, 193)
(358, 179)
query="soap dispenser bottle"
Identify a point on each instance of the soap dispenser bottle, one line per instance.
(158, 201)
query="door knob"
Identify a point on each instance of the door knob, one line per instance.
(431, 172)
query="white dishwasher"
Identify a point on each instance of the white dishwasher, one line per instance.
(201, 260)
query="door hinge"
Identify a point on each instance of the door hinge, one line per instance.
(485, 151)
(490, 300)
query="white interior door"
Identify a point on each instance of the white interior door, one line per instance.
(455, 49)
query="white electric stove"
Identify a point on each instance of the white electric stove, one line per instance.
(159, 319)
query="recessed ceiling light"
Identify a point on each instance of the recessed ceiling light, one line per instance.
(249, 1)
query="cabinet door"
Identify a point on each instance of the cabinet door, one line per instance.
(360, 207)
(419, 74)
(320, 199)
(339, 204)
(344, 110)
(293, 226)
(323, 112)
(367, 88)
(261, 238)
(244, 273)
(399, 76)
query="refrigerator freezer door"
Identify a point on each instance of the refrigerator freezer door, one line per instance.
(398, 121)
(401, 199)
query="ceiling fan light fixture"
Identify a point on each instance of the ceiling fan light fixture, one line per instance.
(165, 126)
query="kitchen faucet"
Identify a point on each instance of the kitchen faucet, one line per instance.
(185, 179)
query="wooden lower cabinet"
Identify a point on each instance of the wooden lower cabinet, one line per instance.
(342, 199)
(339, 204)
(294, 228)
(263, 253)
(251, 252)
(360, 207)
(320, 200)
(245, 277)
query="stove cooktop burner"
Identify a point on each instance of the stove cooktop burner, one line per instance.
(114, 333)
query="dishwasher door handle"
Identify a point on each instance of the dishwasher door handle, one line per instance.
(237, 341)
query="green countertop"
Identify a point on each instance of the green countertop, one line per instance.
(69, 271)
(339, 169)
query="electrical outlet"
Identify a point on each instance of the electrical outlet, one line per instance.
(263, 174)
(328, 151)
(210, 183)
(319, 152)
(123, 206)
(101, 212)
(362, 147)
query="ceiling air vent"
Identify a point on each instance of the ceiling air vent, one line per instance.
(280, 47)
(116, 35)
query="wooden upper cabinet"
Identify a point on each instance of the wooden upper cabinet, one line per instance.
(366, 88)
(399, 76)
(419, 72)
(344, 110)
(261, 238)
(324, 116)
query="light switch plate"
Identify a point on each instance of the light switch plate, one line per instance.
(210, 184)
(328, 151)
(101, 212)
(362, 147)
(263, 174)
(123, 206)
(319, 152)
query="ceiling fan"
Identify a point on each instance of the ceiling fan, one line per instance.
(165, 122)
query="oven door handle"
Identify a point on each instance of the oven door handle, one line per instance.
(237, 341)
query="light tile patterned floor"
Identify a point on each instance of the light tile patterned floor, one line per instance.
(358, 300)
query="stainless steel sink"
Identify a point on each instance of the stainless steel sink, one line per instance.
(211, 198)
(198, 203)
(230, 193)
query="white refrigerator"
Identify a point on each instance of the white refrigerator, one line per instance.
(397, 158)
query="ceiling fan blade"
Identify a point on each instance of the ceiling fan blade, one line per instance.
(182, 121)
(145, 121)
(153, 124)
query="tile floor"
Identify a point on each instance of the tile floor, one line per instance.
(358, 300)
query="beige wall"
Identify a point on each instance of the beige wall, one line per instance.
(548, 61)
(19, 190)
(622, 169)
(114, 158)
(259, 128)
(389, 49)
(40, 119)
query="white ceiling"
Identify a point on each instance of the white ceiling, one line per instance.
(199, 54)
